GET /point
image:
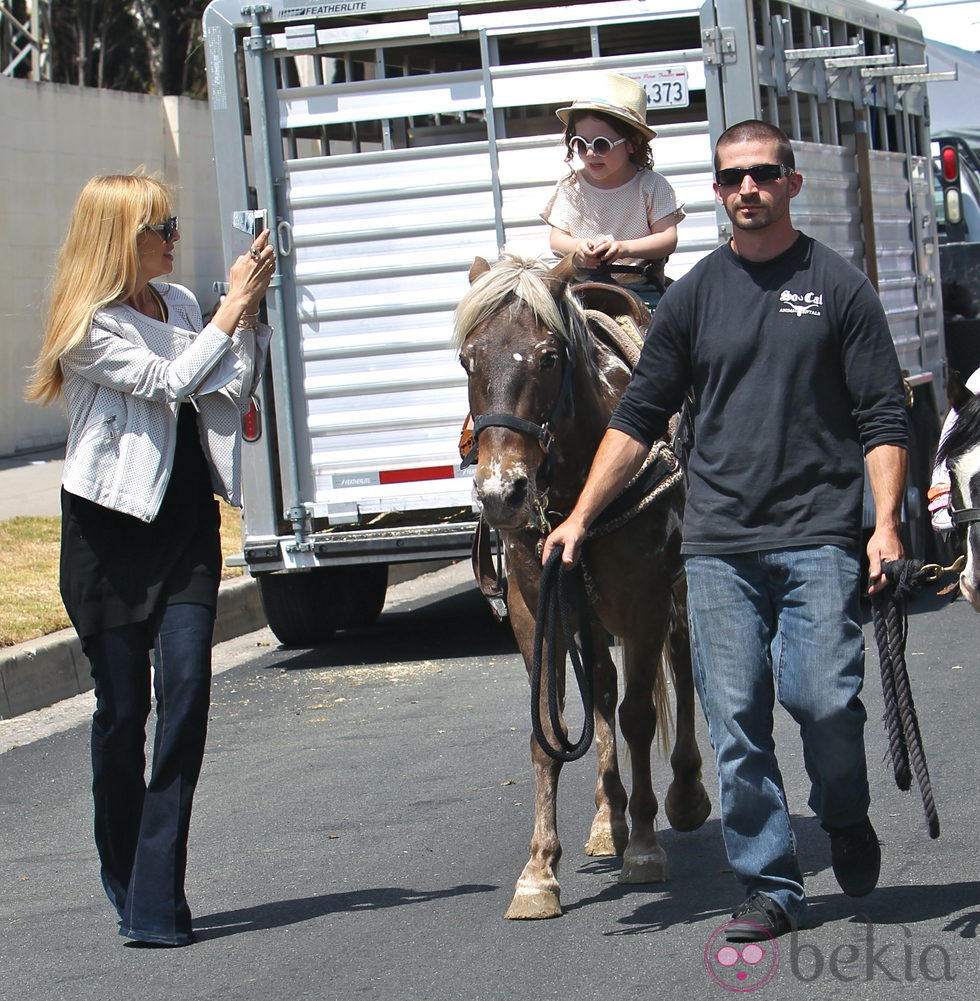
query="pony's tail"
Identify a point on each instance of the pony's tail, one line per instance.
(666, 726)
(661, 703)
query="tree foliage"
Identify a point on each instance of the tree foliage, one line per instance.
(148, 46)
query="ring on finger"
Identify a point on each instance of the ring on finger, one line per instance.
(254, 253)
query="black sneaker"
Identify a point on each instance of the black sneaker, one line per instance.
(759, 918)
(856, 854)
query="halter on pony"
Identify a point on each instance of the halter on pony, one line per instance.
(962, 437)
(516, 279)
(565, 403)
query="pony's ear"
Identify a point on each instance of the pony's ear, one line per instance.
(560, 275)
(480, 267)
(956, 391)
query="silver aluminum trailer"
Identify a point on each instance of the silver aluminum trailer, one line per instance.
(389, 144)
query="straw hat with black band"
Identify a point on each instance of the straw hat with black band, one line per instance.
(614, 95)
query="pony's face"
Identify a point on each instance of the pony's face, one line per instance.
(965, 493)
(514, 367)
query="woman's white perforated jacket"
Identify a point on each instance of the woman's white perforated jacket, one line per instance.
(124, 383)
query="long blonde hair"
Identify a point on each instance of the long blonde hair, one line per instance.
(98, 265)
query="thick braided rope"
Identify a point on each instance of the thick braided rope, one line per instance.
(901, 719)
(897, 749)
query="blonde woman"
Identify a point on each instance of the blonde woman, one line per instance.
(154, 401)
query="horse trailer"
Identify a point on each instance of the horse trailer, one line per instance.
(388, 143)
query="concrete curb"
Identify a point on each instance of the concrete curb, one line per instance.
(38, 673)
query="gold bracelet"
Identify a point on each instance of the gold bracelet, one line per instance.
(247, 321)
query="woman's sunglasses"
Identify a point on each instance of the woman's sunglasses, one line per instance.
(761, 173)
(165, 229)
(600, 146)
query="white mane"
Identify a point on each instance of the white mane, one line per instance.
(515, 280)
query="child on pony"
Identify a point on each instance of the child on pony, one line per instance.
(615, 208)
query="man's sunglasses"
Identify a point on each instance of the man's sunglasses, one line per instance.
(761, 173)
(600, 146)
(165, 229)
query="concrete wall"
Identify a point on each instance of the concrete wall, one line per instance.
(55, 137)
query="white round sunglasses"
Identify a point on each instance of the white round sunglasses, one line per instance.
(600, 146)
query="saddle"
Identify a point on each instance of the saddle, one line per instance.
(613, 300)
(617, 317)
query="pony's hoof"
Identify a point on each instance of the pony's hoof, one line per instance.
(645, 867)
(607, 840)
(532, 904)
(687, 812)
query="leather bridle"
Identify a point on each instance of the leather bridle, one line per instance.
(565, 403)
(965, 517)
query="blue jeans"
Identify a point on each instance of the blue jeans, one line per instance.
(141, 829)
(780, 624)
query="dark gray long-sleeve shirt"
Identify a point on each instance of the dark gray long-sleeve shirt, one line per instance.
(794, 375)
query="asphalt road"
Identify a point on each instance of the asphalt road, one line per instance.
(365, 810)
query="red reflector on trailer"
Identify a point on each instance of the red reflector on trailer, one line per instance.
(411, 475)
(950, 163)
(252, 422)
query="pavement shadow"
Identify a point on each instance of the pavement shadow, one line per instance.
(700, 884)
(923, 602)
(906, 906)
(457, 625)
(926, 602)
(279, 913)
(701, 887)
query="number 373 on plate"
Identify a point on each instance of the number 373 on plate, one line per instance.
(666, 86)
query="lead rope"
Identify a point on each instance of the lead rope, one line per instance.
(888, 609)
(562, 593)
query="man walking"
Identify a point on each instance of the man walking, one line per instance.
(795, 379)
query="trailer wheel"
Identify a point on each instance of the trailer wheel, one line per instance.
(306, 607)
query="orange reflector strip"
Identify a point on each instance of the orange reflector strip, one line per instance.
(411, 475)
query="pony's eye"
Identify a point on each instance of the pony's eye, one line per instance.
(467, 364)
(549, 360)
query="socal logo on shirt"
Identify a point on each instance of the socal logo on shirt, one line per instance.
(801, 303)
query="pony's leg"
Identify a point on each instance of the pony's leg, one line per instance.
(687, 803)
(609, 832)
(537, 894)
(644, 861)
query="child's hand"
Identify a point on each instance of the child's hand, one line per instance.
(585, 254)
(607, 249)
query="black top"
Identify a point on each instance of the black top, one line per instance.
(116, 569)
(795, 377)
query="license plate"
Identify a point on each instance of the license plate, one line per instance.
(666, 87)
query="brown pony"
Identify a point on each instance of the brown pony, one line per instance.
(525, 345)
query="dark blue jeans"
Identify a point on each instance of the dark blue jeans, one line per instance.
(141, 829)
(784, 626)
